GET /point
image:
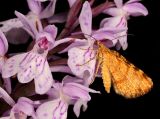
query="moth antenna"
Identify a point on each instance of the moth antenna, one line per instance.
(87, 61)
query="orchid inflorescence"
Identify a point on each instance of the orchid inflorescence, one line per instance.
(33, 69)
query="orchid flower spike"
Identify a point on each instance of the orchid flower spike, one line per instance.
(120, 15)
(33, 64)
(69, 92)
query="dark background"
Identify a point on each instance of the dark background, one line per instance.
(143, 51)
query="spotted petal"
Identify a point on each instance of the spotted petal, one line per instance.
(56, 109)
(82, 61)
(11, 66)
(85, 18)
(44, 80)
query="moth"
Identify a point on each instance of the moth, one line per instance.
(127, 80)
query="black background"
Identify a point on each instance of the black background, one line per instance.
(143, 51)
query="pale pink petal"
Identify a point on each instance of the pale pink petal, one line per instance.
(34, 6)
(85, 18)
(11, 66)
(102, 34)
(24, 105)
(82, 59)
(79, 87)
(119, 3)
(135, 9)
(51, 29)
(28, 67)
(9, 24)
(49, 10)
(113, 11)
(56, 109)
(26, 73)
(4, 95)
(28, 25)
(71, 2)
(3, 44)
(77, 106)
(44, 80)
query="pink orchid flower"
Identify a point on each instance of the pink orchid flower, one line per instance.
(33, 64)
(120, 15)
(82, 53)
(69, 92)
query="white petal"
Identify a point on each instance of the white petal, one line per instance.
(85, 18)
(11, 65)
(44, 80)
(82, 59)
(55, 109)
(27, 68)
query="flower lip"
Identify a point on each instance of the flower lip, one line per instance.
(43, 43)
